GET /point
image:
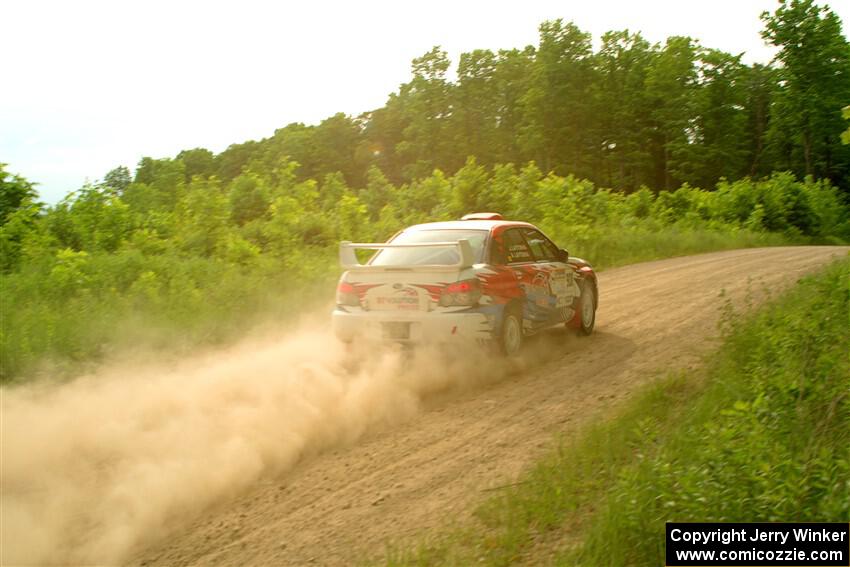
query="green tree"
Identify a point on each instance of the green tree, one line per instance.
(622, 111)
(476, 108)
(118, 179)
(382, 144)
(378, 192)
(721, 119)
(199, 161)
(671, 88)
(426, 102)
(351, 218)
(202, 216)
(335, 142)
(293, 142)
(557, 103)
(760, 86)
(232, 161)
(101, 219)
(469, 189)
(510, 79)
(247, 197)
(19, 215)
(15, 192)
(814, 85)
(158, 185)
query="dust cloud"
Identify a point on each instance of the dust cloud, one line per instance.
(96, 469)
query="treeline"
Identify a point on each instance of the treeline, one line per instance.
(631, 114)
(271, 214)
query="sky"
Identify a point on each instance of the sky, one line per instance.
(91, 85)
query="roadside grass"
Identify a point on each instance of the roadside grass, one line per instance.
(93, 307)
(761, 433)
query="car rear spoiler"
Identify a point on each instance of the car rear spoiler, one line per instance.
(348, 259)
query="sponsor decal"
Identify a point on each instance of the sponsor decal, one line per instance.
(404, 298)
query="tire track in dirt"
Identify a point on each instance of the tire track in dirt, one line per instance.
(396, 484)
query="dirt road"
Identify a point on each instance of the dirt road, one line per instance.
(282, 451)
(400, 482)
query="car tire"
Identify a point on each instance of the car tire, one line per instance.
(510, 335)
(586, 309)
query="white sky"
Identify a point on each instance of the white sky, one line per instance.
(90, 85)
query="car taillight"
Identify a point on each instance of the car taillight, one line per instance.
(347, 295)
(462, 293)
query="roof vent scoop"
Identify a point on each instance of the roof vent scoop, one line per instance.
(482, 216)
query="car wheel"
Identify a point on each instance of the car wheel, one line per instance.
(510, 337)
(587, 309)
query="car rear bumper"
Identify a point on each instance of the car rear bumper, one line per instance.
(411, 327)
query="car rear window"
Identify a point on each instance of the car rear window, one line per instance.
(430, 256)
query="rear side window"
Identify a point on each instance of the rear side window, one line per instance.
(430, 256)
(515, 248)
(541, 247)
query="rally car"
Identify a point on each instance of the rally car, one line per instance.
(481, 278)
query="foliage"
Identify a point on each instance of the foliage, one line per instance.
(19, 212)
(15, 193)
(814, 84)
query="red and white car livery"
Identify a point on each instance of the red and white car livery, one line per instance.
(481, 278)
